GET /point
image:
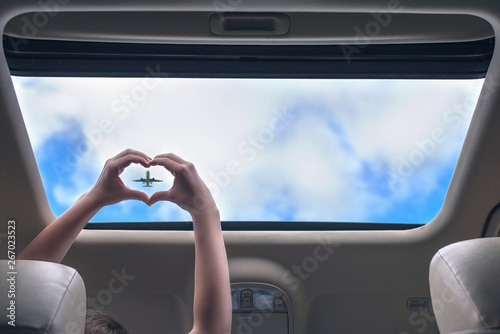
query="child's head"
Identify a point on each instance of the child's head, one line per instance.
(101, 323)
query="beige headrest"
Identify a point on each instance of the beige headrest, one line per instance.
(465, 285)
(41, 297)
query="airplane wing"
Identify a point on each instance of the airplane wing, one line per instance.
(140, 180)
(155, 180)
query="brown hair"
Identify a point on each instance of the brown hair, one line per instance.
(98, 322)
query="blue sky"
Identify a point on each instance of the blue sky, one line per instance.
(299, 150)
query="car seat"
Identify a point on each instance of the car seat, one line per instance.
(464, 280)
(41, 297)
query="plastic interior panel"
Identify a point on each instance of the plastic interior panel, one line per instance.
(260, 308)
(190, 27)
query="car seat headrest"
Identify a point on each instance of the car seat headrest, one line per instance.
(41, 297)
(465, 286)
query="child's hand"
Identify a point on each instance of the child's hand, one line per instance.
(188, 191)
(109, 188)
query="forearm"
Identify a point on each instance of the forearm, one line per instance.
(54, 241)
(212, 299)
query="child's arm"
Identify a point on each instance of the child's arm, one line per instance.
(212, 292)
(53, 242)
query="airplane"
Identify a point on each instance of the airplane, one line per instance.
(147, 180)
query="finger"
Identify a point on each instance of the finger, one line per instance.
(137, 195)
(125, 161)
(168, 163)
(131, 151)
(173, 157)
(160, 196)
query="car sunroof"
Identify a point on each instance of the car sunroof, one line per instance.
(308, 150)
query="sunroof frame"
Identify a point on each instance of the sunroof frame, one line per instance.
(456, 60)
(49, 58)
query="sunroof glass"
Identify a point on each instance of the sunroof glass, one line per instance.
(269, 149)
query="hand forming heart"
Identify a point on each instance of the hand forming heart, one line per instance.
(188, 190)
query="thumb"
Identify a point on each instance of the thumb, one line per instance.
(137, 195)
(160, 196)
